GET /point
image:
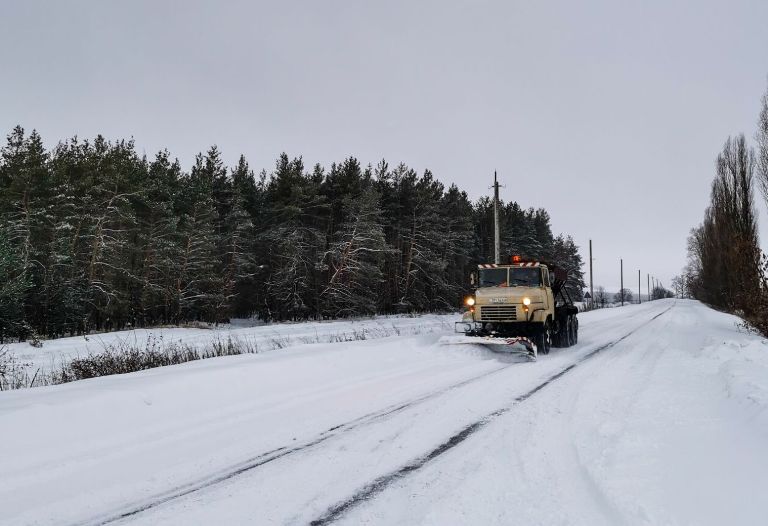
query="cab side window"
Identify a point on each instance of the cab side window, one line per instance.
(545, 275)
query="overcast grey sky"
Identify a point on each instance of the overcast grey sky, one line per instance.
(609, 114)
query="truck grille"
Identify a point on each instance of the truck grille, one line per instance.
(498, 313)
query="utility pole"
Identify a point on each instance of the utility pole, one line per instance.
(649, 286)
(622, 282)
(496, 233)
(591, 288)
(639, 299)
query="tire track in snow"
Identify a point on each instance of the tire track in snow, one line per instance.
(278, 453)
(380, 484)
(608, 508)
(233, 471)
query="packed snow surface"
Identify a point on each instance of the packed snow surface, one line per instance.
(657, 416)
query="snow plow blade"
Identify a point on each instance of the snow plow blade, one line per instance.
(516, 345)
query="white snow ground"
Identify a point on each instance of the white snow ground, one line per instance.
(267, 337)
(667, 424)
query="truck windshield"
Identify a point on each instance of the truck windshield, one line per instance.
(525, 277)
(493, 277)
(510, 277)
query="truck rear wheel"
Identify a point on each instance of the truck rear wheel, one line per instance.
(568, 332)
(574, 330)
(560, 337)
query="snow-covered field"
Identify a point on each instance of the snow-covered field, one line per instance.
(259, 338)
(660, 418)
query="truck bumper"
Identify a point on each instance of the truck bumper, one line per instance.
(508, 329)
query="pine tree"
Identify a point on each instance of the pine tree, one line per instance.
(565, 254)
(484, 231)
(13, 286)
(355, 258)
(238, 261)
(63, 304)
(457, 242)
(25, 207)
(251, 255)
(423, 281)
(108, 225)
(158, 243)
(295, 241)
(523, 232)
(198, 289)
(542, 233)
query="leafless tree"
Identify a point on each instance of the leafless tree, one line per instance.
(724, 257)
(762, 147)
(601, 298)
(626, 297)
(678, 283)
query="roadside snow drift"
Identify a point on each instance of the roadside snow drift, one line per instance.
(259, 338)
(657, 416)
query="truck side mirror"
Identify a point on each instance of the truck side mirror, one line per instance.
(473, 278)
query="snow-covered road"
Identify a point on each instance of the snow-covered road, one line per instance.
(665, 424)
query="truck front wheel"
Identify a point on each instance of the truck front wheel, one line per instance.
(544, 339)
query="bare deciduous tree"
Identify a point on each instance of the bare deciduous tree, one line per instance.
(601, 297)
(762, 146)
(626, 297)
(723, 252)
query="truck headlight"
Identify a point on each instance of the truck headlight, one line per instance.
(526, 301)
(469, 301)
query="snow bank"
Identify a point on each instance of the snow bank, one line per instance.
(743, 368)
(260, 338)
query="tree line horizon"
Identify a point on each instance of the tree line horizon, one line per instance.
(95, 237)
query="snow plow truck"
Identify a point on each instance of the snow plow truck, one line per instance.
(523, 304)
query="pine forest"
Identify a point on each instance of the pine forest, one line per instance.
(96, 237)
